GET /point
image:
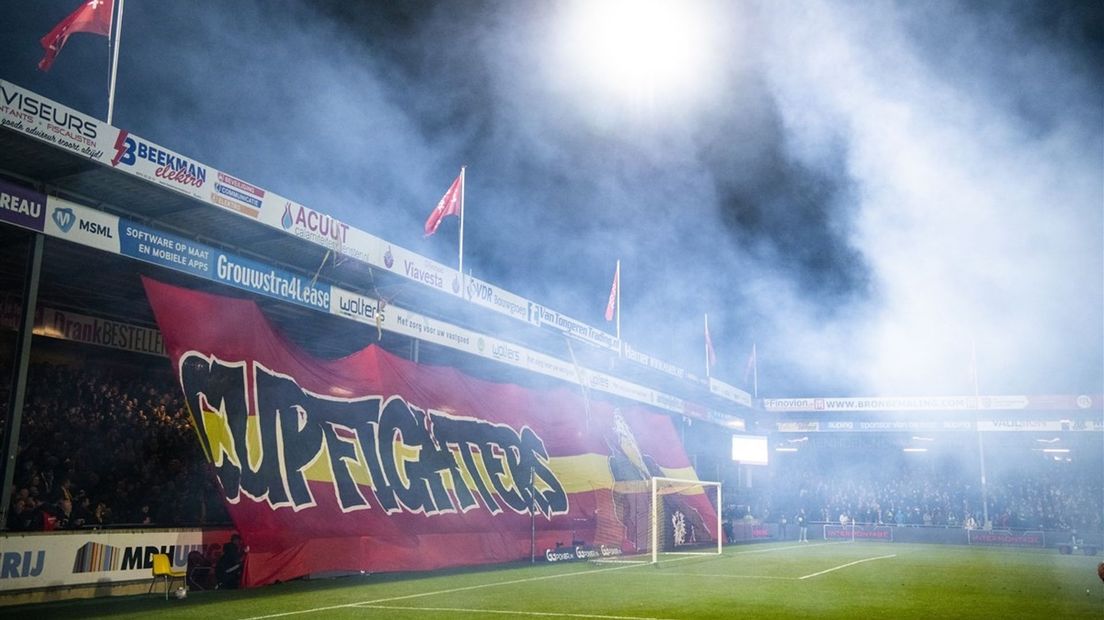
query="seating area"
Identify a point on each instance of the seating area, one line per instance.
(109, 448)
(877, 482)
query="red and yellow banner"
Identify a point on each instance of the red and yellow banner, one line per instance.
(374, 463)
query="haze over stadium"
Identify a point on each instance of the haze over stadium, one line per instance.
(859, 190)
(889, 217)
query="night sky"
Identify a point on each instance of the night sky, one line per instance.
(863, 190)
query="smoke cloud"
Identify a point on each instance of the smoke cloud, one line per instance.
(868, 193)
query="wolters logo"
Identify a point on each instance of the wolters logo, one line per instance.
(64, 218)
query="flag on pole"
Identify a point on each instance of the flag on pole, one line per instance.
(450, 204)
(751, 371)
(611, 305)
(710, 354)
(93, 16)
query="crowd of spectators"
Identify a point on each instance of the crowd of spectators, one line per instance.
(1030, 493)
(1052, 499)
(108, 447)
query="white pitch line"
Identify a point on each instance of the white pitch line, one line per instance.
(548, 614)
(449, 591)
(880, 557)
(723, 576)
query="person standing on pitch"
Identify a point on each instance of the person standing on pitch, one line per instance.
(803, 526)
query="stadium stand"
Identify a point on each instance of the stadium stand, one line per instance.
(105, 440)
(1035, 493)
(103, 448)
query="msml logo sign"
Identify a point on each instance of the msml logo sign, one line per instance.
(64, 218)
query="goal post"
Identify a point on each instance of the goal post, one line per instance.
(685, 517)
(639, 520)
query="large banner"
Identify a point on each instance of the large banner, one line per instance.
(374, 463)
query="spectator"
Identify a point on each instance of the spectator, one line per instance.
(21, 516)
(200, 572)
(101, 515)
(63, 512)
(228, 571)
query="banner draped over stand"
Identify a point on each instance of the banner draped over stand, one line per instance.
(374, 463)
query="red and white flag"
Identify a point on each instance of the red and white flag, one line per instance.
(612, 303)
(450, 204)
(93, 16)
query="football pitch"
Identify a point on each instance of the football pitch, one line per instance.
(779, 580)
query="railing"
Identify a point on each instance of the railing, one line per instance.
(1089, 542)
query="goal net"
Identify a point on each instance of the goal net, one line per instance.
(667, 516)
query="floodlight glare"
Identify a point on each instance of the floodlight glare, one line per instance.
(639, 47)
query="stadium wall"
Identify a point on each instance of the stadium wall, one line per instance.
(56, 565)
(938, 535)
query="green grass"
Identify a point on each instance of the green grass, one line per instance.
(882, 580)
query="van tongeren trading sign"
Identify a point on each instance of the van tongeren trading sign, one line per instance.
(374, 463)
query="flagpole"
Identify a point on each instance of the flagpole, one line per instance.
(981, 445)
(974, 372)
(754, 372)
(114, 61)
(707, 345)
(463, 190)
(617, 277)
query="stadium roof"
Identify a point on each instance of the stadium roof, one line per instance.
(78, 279)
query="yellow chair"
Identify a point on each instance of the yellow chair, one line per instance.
(162, 569)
